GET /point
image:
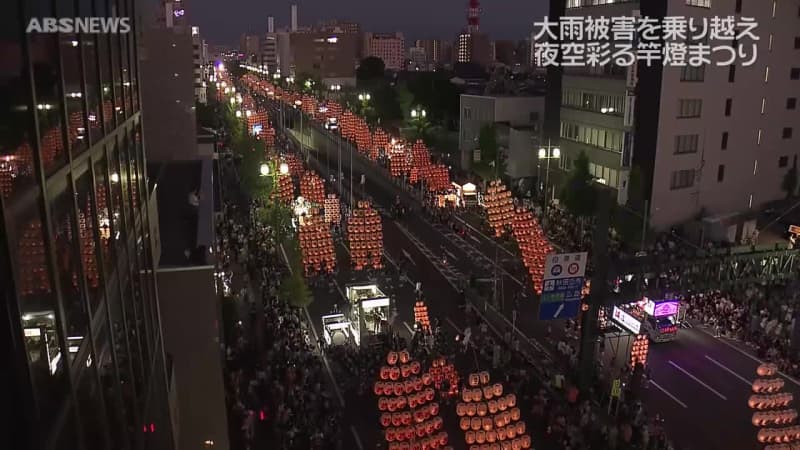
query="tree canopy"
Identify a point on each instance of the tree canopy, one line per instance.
(369, 70)
(579, 194)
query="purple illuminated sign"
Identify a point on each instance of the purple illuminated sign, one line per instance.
(665, 309)
(179, 12)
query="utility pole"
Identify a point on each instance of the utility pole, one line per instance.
(591, 309)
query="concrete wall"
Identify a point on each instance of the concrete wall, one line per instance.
(168, 115)
(191, 325)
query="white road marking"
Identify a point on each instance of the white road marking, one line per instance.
(701, 382)
(667, 393)
(452, 324)
(484, 236)
(357, 438)
(408, 256)
(730, 371)
(474, 238)
(790, 378)
(408, 327)
(452, 256)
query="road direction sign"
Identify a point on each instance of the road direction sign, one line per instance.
(563, 284)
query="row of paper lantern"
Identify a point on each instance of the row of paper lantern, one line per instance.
(438, 441)
(333, 212)
(517, 444)
(409, 432)
(312, 187)
(479, 436)
(419, 415)
(421, 315)
(768, 385)
(482, 408)
(779, 435)
(768, 418)
(403, 370)
(533, 245)
(770, 401)
(499, 207)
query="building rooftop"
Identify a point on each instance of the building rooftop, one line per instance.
(186, 230)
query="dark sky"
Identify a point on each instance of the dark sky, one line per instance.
(222, 21)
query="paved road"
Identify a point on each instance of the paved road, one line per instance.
(700, 383)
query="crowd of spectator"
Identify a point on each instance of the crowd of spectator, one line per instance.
(275, 388)
(761, 316)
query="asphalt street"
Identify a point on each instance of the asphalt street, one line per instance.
(700, 384)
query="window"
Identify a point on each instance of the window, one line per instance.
(728, 106)
(797, 42)
(467, 113)
(738, 6)
(731, 73)
(690, 73)
(783, 161)
(682, 179)
(690, 108)
(787, 133)
(724, 144)
(791, 103)
(794, 74)
(686, 143)
(720, 173)
(699, 3)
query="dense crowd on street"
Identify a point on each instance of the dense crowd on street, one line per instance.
(276, 393)
(762, 317)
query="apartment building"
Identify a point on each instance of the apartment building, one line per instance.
(80, 335)
(199, 62)
(389, 47)
(708, 140)
(331, 57)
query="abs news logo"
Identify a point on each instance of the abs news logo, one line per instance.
(86, 25)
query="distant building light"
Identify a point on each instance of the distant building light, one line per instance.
(195, 31)
(333, 40)
(179, 12)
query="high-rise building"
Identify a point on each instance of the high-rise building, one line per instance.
(269, 51)
(339, 26)
(434, 50)
(294, 18)
(199, 64)
(80, 334)
(390, 47)
(418, 59)
(329, 56)
(505, 52)
(250, 45)
(707, 140)
(474, 48)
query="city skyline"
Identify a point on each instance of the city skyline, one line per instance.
(416, 19)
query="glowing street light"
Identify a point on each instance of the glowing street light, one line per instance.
(248, 113)
(418, 112)
(264, 170)
(284, 168)
(238, 113)
(364, 97)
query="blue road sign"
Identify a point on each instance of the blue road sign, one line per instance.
(560, 298)
(559, 310)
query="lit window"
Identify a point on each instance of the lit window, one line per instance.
(699, 3)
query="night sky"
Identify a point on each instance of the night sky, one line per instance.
(223, 21)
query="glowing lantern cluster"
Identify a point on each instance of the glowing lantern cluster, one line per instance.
(332, 210)
(499, 206)
(400, 162)
(347, 125)
(409, 416)
(437, 177)
(420, 154)
(639, 349)
(365, 233)
(533, 245)
(309, 105)
(312, 188)
(380, 141)
(443, 371)
(363, 136)
(294, 163)
(421, 316)
(285, 191)
(316, 245)
(771, 410)
(489, 419)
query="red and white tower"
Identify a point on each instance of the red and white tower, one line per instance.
(473, 16)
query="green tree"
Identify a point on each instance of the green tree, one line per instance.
(487, 142)
(789, 184)
(579, 194)
(206, 115)
(370, 70)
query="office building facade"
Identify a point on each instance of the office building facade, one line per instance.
(80, 333)
(707, 141)
(389, 47)
(330, 57)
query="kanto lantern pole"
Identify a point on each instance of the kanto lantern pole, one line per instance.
(590, 309)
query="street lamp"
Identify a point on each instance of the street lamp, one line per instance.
(418, 113)
(238, 113)
(248, 113)
(548, 153)
(335, 87)
(364, 97)
(284, 168)
(264, 169)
